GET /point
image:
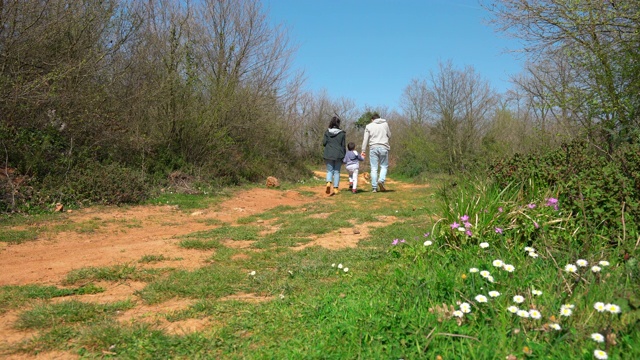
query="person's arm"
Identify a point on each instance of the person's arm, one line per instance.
(324, 139)
(365, 141)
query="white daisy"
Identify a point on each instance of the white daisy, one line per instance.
(513, 309)
(485, 273)
(597, 337)
(535, 314)
(566, 311)
(494, 293)
(498, 263)
(596, 268)
(518, 299)
(509, 267)
(613, 308)
(481, 299)
(428, 243)
(339, 266)
(570, 268)
(458, 313)
(604, 263)
(252, 273)
(533, 254)
(555, 326)
(600, 355)
(536, 292)
(490, 278)
(600, 306)
(473, 270)
(346, 269)
(529, 249)
(465, 307)
(523, 313)
(582, 262)
(484, 245)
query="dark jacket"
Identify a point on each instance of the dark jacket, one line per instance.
(334, 144)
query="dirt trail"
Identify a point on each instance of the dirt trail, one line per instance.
(128, 234)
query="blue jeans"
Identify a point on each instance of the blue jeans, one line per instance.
(378, 156)
(333, 171)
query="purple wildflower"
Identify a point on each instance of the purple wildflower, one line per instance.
(535, 224)
(467, 224)
(500, 209)
(455, 225)
(464, 218)
(532, 206)
(469, 233)
(395, 242)
(427, 234)
(553, 202)
(498, 230)
(402, 240)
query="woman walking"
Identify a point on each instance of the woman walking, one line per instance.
(334, 151)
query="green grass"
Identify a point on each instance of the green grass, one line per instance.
(395, 301)
(68, 312)
(11, 236)
(14, 296)
(112, 273)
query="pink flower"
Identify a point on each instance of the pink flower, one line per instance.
(464, 218)
(469, 233)
(500, 209)
(455, 225)
(535, 224)
(498, 230)
(427, 234)
(467, 224)
(395, 242)
(531, 206)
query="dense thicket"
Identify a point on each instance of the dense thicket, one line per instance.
(101, 100)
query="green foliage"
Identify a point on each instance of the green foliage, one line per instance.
(601, 189)
(364, 119)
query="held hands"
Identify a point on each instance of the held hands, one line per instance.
(364, 154)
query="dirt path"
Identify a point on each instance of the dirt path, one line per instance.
(128, 234)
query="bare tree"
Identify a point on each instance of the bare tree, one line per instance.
(459, 104)
(598, 40)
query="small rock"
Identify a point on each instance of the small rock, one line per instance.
(272, 182)
(356, 231)
(197, 213)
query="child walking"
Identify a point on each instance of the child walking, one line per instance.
(352, 159)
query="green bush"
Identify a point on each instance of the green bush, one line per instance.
(604, 189)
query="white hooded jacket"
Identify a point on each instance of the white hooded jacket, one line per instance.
(376, 134)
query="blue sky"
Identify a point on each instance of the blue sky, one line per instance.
(369, 50)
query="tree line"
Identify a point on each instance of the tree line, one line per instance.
(103, 101)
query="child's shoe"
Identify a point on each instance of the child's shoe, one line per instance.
(336, 191)
(381, 186)
(354, 191)
(328, 189)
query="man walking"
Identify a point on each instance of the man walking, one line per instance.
(377, 135)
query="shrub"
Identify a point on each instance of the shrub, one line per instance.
(603, 189)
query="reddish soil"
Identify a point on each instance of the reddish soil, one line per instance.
(125, 235)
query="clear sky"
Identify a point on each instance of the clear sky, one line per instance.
(370, 50)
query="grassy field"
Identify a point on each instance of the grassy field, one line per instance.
(461, 276)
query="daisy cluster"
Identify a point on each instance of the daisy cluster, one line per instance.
(340, 267)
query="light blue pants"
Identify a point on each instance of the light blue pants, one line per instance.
(378, 156)
(333, 171)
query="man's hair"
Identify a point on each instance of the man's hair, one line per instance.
(375, 116)
(351, 146)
